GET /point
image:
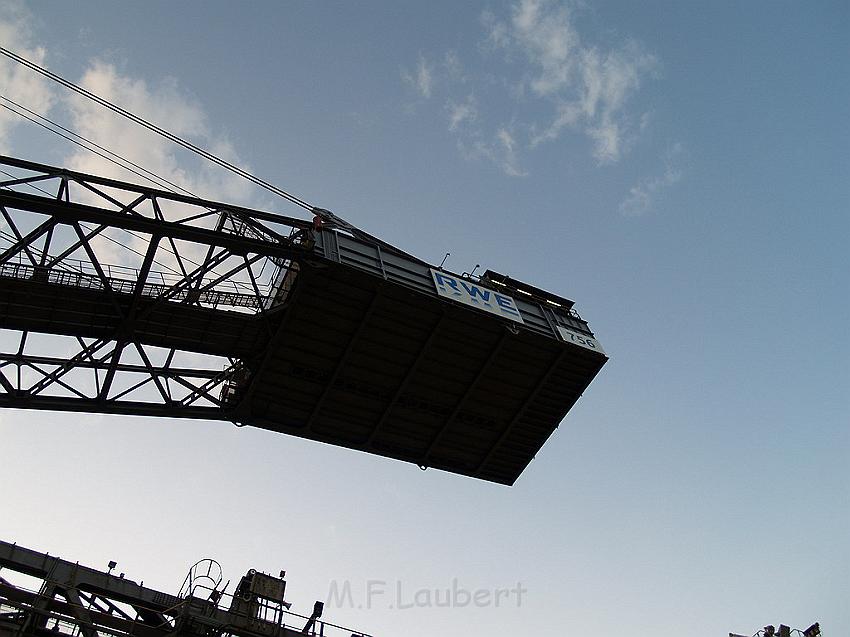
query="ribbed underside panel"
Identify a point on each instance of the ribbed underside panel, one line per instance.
(369, 365)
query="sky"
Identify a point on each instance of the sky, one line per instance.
(679, 169)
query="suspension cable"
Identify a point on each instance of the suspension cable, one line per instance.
(156, 129)
(159, 181)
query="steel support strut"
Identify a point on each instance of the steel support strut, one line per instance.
(143, 285)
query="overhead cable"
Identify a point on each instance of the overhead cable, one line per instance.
(156, 129)
(152, 177)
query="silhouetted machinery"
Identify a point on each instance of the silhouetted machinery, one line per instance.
(70, 599)
(311, 328)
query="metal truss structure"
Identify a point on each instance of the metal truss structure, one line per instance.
(121, 299)
(129, 282)
(45, 596)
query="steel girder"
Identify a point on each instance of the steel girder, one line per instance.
(157, 299)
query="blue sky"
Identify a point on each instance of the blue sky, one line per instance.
(680, 170)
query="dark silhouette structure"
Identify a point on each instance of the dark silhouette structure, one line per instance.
(70, 599)
(170, 305)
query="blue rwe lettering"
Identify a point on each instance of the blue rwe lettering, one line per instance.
(445, 281)
(506, 303)
(472, 290)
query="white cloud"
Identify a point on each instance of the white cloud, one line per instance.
(499, 147)
(642, 195)
(422, 79)
(590, 87)
(609, 82)
(501, 150)
(453, 67)
(587, 88)
(17, 82)
(165, 105)
(461, 113)
(544, 32)
(507, 147)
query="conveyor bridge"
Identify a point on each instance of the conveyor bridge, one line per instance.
(117, 298)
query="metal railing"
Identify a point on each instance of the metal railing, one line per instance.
(22, 615)
(236, 296)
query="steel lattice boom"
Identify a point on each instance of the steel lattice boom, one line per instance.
(138, 279)
(117, 298)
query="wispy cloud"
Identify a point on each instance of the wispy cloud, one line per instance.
(586, 88)
(507, 150)
(500, 149)
(17, 82)
(461, 113)
(543, 31)
(589, 87)
(453, 67)
(642, 195)
(164, 104)
(421, 79)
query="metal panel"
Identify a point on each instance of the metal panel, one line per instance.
(573, 337)
(475, 295)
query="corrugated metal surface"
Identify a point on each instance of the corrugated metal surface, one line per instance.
(369, 357)
(416, 275)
